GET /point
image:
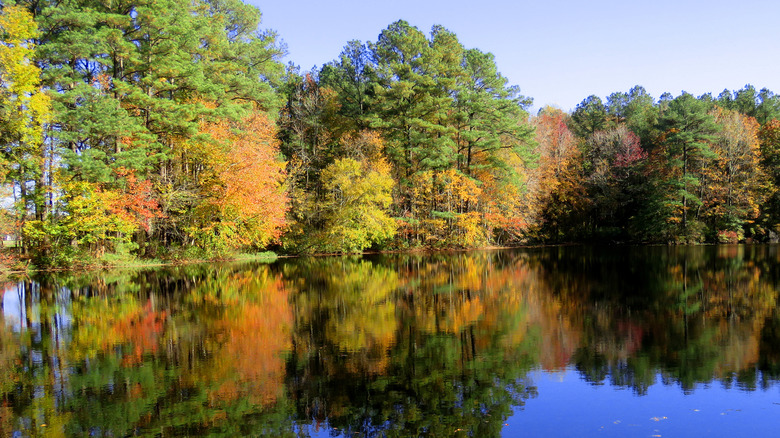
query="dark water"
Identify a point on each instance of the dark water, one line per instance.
(543, 342)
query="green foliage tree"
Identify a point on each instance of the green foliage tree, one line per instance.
(410, 101)
(132, 84)
(589, 116)
(614, 182)
(683, 153)
(444, 114)
(352, 79)
(489, 116)
(763, 105)
(640, 115)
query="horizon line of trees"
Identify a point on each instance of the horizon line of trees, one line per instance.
(157, 128)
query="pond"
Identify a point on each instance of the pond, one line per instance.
(586, 341)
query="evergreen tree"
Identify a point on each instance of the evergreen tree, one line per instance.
(683, 153)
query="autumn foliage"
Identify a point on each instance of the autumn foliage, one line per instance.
(244, 199)
(556, 190)
(180, 134)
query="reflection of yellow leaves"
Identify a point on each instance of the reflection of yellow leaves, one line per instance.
(461, 314)
(359, 298)
(9, 354)
(373, 333)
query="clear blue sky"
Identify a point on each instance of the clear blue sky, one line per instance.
(561, 51)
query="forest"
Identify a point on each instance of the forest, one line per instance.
(169, 130)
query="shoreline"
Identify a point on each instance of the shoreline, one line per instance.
(252, 258)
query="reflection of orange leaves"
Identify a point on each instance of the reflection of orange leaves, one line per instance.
(740, 346)
(135, 391)
(560, 336)
(142, 329)
(460, 314)
(256, 340)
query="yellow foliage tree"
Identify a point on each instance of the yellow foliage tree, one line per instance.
(734, 183)
(96, 221)
(356, 202)
(502, 199)
(445, 210)
(24, 109)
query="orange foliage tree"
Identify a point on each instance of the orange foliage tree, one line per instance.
(244, 198)
(556, 190)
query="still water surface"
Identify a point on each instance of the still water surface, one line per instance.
(594, 341)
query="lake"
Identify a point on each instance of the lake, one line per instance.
(564, 341)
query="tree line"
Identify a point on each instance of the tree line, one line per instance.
(163, 129)
(679, 169)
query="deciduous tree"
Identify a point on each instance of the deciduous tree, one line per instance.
(734, 184)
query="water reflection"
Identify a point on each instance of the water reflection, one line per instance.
(399, 345)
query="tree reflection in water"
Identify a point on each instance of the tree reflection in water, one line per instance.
(393, 345)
